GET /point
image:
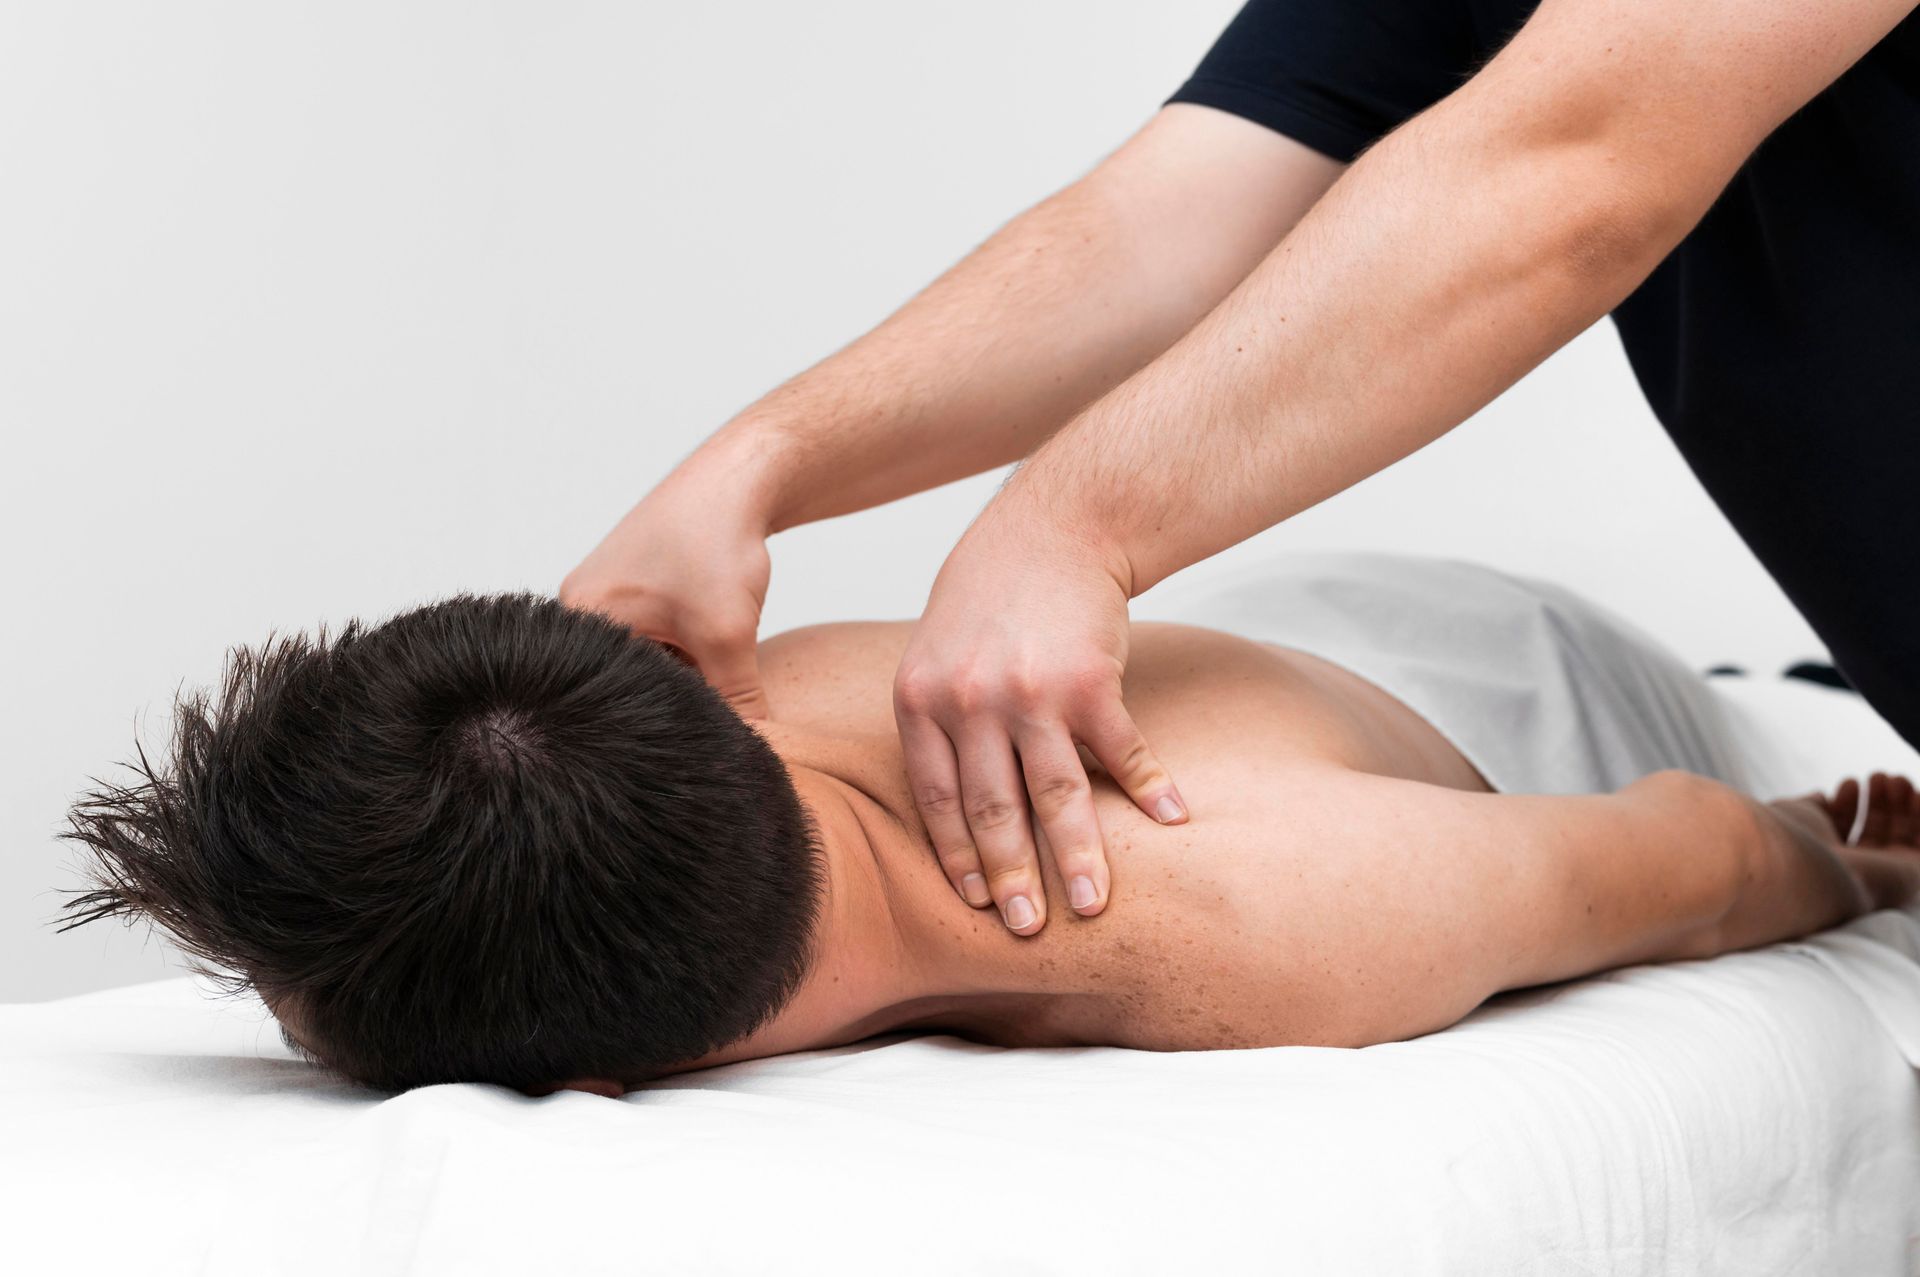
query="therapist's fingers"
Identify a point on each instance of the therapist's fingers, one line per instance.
(1063, 801)
(994, 798)
(935, 777)
(1110, 735)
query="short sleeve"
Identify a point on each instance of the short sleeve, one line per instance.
(1336, 75)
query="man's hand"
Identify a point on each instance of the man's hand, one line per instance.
(1820, 860)
(1874, 829)
(1018, 657)
(688, 566)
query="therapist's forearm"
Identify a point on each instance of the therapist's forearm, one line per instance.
(972, 373)
(1443, 266)
(1050, 313)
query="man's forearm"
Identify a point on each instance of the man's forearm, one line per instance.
(1051, 312)
(1674, 865)
(1733, 872)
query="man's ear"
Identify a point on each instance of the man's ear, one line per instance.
(603, 1086)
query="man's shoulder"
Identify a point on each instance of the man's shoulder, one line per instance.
(830, 640)
(836, 676)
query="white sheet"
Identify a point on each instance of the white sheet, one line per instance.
(1754, 1114)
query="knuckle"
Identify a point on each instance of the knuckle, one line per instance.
(991, 813)
(938, 802)
(1080, 860)
(958, 859)
(1008, 879)
(1024, 692)
(1088, 685)
(1056, 791)
(970, 694)
(1136, 765)
(913, 692)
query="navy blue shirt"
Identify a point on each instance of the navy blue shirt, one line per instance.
(1779, 343)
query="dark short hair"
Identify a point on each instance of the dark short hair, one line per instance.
(494, 839)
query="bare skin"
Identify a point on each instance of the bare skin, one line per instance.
(1213, 331)
(1049, 314)
(1355, 880)
(1450, 259)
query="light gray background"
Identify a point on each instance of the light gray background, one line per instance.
(309, 311)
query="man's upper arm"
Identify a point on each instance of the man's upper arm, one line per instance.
(1423, 901)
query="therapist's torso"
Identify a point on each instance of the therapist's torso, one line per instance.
(1780, 342)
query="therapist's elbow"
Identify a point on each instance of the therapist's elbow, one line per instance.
(1623, 192)
(1610, 205)
(1612, 238)
(1606, 182)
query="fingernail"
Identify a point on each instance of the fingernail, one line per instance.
(1080, 892)
(1168, 810)
(974, 888)
(1019, 913)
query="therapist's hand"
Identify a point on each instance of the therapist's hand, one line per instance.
(689, 566)
(1017, 658)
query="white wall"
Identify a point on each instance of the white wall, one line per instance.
(319, 310)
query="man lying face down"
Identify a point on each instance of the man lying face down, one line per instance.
(498, 840)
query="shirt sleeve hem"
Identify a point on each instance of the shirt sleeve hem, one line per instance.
(1337, 139)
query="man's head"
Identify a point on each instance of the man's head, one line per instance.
(493, 839)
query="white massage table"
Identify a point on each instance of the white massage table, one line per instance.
(1751, 1115)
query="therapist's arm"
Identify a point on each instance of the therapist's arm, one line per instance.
(1448, 261)
(1050, 313)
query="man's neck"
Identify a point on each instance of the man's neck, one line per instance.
(894, 944)
(900, 922)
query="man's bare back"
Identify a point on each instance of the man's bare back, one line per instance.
(1200, 911)
(499, 839)
(1348, 876)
